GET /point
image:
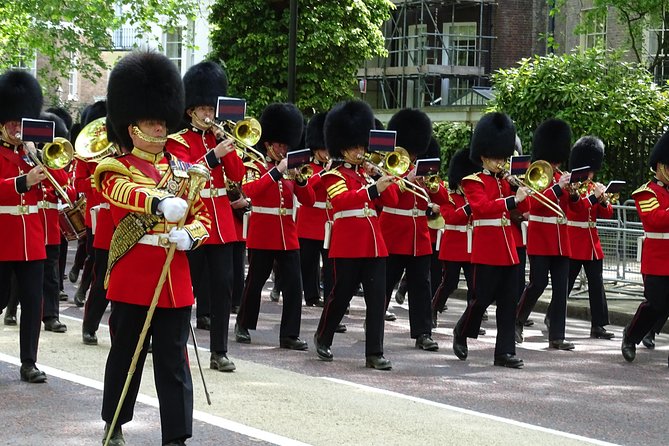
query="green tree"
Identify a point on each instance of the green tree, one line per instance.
(56, 30)
(597, 94)
(452, 136)
(333, 40)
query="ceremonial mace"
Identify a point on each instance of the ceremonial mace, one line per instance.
(198, 175)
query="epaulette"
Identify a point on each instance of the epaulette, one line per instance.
(335, 172)
(251, 165)
(451, 200)
(109, 164)
(473, 177)
(178, 138)
(644, 188)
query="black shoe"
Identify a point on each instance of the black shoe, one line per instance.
(31, 374)
(10, 319)
(460, 345)
(561, 344)
(116, 438)
(79, 298)
(628, 348)
(242, 335)
(175, 443)
(73, 275)
(348, 309)
(221, 363)
(482, 331)
(648, 341)
(203, 323)
(323, 351)
(89, 338)
(62, 296)
(274, 295)
(434, 319)
(509, 360)
(400, 296)
(425, 342)
(485, 316)
(390, 316)
(378, 362)
(316, 303)
(528, 323)
(234, 309)
(599, 332)
(341, 328)
(519, 333)
(53, 324)
(293, 343)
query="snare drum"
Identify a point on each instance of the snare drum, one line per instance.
(72, 220)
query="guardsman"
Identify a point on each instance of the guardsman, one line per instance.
(272, 234)
(405, 231)
(311, 220)
(22, 252)
(357, 248)
(652, 204)
(494, 257)
(211, 265)
(145, 100)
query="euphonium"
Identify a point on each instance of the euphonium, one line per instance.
(92, 143)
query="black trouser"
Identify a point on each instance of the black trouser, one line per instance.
(87, 273)
(435, 270)
(492, 283)
(540, 266)
(311, 253)
(51, 284)
(652, 310)
(216, 282)
(168, 333)
(29, 277)
(522, 256)
(238, 272)
(97, 302)
(418, 289)
(62, 261)
(348, 275)
(449, 283)
(260, 267)
(80, 255)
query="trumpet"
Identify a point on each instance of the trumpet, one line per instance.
(395, 164)
(302, 173)
(246, 134)
(432, 183)
(537, 178)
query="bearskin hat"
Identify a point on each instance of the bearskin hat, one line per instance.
(62, 114)
(494, 137)
(378, 125)
(144, 85)
(414, 130)
(347, 125)
(587, 151)
(314, 132)
(433, 149)
(74, 132)
(460, 166)
(204, 83)
(660, 152)
(281, 122)
(60, 130)
(20, 96)
(552, 141)
(93, 111)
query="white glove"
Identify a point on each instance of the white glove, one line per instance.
(172, 208)
(181, 238)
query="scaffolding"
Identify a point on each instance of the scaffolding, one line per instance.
(438, 51)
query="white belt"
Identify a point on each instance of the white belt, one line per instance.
(18, 210)
(104, 205)
(47, 205)
(360, 213)
(657, 235)
(213, 192)
(322, 205)
(458, 228)
(415, 212)
(271, 211)
(582, 224)
(551, 220)
(155, 240)
(492, 222)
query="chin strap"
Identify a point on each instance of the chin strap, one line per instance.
(147, 138)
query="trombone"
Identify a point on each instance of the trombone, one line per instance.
(537, 178)
(395, 164)
(57, 155)
(246, 134)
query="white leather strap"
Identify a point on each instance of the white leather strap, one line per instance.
(492, 222)
(271, 211)
(415, 212)
(213, 192)
(47, 205)
(549, 220)
(19, 210)
(456, 228)
(582, 224)
(657, 235)
(359, 213)
(161, 240)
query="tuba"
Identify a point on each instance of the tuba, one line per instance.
(92, 143)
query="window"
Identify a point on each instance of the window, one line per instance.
(593, 22)
(655, 47)
(460, 44)
(73, 80)
(27, 61)
(174, 46)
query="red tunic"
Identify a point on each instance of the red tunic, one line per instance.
(83, 183)
(129, 183)
(104, 226)
(311, 219)
(359, 235)
(583, 234)
(271, 224)
(491, 199)
(48, 205)
(652, 204)
(22, 226)
(196, 146)
(456, 214)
